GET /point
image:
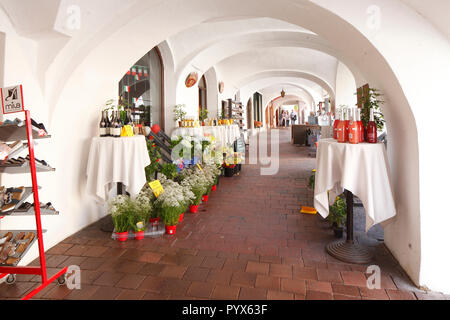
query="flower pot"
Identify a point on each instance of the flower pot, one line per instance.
(139, 235)
(122, 236)
(229, 172)
(205, 198)
(154, 221)
(181, 217)
(214, 188)
(193, 209)
(171, 230)
(338, 232)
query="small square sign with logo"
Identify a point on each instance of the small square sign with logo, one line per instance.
(12, 99)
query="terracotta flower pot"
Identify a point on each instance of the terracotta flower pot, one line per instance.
(193, 209)
(139, 235)
(122, 236)
(171, 230)
(205, 198)
(181, 218)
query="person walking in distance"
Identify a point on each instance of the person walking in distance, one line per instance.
(293, 117)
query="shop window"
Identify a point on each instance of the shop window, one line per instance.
(142, 89)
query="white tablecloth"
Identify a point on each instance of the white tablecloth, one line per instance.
(114, 160)
(361, 169)
(224, 134)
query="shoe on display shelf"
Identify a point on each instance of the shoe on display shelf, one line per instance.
(12, 198)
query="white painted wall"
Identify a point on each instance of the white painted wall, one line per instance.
(345, 87)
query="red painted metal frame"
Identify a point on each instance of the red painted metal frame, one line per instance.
(42, 270)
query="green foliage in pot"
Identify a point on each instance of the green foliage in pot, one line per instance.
(196, 180)
(372, 101)
(171, 215)
(154, 153)
(338, 212)
(169, 170)
(179, 112)
(203, 114)
(144, 204)
(121, 210)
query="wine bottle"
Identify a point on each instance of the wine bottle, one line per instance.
(335, 126)
(342, 128)
(372, 136)
(103, 126)
(108, 124)
(353, 131)
(347, 119)
(360, 125)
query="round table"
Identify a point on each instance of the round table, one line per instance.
(116, 160)
(361, 170)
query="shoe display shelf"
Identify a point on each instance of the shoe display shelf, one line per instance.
(27, 133)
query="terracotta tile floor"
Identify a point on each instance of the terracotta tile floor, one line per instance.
(248, 242)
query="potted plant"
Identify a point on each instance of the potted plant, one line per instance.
(144, 203)
(372, 101)
(171, 204)
(197, 185)
(338, 216)
(120, 213)
(203, 115)
(189, 198)
(179, 113)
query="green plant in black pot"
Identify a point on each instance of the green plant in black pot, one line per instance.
(338, 216)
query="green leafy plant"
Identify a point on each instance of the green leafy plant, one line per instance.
(121, 209)
(338, 212)
(372, 101)
(179, 112)
(154, 153)
(169, 170)
(203, 114)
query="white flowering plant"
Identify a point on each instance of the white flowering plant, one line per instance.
(197, 181)
(121, 209)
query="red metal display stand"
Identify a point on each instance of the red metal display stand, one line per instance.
(42, 269)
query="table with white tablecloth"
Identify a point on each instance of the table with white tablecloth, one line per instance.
(360, 169)
(116, 160)
(224, 135)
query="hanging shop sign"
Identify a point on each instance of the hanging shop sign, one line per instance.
(221, 87)
(12, 99)
(192, 79)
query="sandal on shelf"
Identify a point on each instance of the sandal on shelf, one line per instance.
(25, 206)
(13, 197)
(49, 206)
